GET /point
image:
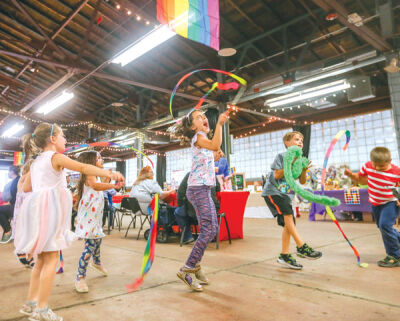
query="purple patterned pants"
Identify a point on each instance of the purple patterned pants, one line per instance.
(200, 197)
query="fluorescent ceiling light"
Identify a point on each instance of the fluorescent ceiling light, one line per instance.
(13, 130)
(143, 45)
(56, 102)
(308, 93)
(127, 142)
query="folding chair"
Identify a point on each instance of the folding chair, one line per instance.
(136, 211)
(121, 212)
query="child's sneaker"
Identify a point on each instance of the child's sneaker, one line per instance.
(308, 252)
(289, 261)
(44, 315)
(28, 307)
(99, 268)
(187, 276)
(81, 286)
(201, 276)
(389, 261)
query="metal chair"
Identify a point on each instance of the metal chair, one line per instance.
(121, 212)
(134, 207)
(219, 217)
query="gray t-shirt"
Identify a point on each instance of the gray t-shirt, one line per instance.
(280, 186)
(144, 192)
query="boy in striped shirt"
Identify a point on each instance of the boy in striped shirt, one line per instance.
(381, 177)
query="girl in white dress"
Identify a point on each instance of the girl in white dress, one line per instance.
(89, 224)
(43, 224)
(21, 196)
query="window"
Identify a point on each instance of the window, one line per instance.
(131, 171)
(254, 155)
(131, 168)
(179, 162)
(111, 165)
(367, 132)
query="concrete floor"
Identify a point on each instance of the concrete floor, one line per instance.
(246, 281)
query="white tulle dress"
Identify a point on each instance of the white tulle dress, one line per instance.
(44, 219)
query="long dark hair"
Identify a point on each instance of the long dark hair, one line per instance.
(89, 157)
(182, 130)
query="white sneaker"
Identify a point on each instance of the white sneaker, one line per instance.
(47, 315)
(99, 268)
(27, 308)
(81, 286)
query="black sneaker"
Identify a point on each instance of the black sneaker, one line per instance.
(288, 261)
(308, 252)
(389, 261)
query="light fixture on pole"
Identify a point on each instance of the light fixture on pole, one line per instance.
(143, 45)
(56, 102)
(318, 91)
(13, 130)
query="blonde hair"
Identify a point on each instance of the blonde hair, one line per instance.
(33, 144)
(288, 136)
(145, 173)
(380, 155)
(27, 166)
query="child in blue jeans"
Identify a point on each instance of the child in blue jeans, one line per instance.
(194, 127)
(382, 177)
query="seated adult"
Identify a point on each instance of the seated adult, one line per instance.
(221, 165)
(9, 195)
(145, 187)
(185, 209)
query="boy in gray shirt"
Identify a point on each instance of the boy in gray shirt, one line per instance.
(278, 195)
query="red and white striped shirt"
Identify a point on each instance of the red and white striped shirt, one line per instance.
(380, 183)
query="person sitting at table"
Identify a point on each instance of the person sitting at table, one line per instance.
(145, 187)
(221, 165)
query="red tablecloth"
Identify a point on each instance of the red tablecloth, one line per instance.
(118, 198)
(233, 205)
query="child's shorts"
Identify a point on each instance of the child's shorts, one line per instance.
(279, 206)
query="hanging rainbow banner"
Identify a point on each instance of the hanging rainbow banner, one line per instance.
(197, 20)
(19, 158)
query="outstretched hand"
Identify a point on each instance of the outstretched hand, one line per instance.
(223, 118)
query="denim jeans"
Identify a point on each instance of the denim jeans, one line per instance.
(385, 217)
(183, 221)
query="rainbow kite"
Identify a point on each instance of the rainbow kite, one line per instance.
(332, 216)
(19, 158)
(61, 269)
(148, 257)
(220, 86)
(328, 153)
(192, 19)
(328, 209)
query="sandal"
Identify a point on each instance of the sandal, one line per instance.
(187, 275)
(201, 276)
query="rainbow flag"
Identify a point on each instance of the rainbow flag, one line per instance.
(197, 20)
(19, 158)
